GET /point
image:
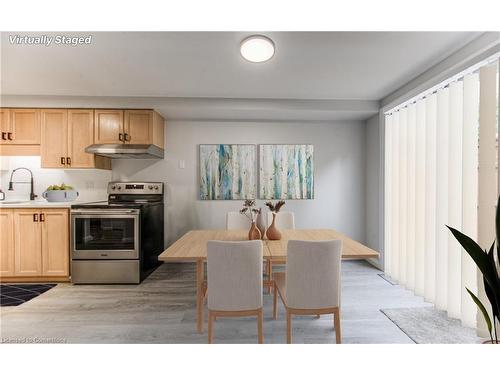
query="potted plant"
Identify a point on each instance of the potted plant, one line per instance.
(490, 268)
(251, 213)
(272, 232)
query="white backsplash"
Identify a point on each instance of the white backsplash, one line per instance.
(91, 184)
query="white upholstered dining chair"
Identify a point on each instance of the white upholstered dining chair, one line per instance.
(284, 220)
(235, 220)
(311, 283)
(234, 278)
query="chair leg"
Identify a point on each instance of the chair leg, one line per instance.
(275, 302)
(210, 326)
(259, 326)
(336, 320)
(269, 274)
(288, 327)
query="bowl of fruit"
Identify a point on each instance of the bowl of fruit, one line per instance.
(60, 193)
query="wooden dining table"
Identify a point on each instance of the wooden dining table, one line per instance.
(192, 248)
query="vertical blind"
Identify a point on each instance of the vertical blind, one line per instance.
(431, 180)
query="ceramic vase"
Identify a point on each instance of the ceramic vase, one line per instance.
(261, 225)
(254, 233)
(272, 232)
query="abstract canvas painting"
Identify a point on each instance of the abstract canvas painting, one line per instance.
(286, 172)
(227, 172)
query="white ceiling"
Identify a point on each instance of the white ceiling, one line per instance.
(307, 65)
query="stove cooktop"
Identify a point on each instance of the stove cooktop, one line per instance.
(106, 204)
(123, 195)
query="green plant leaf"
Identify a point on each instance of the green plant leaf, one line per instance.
(479, 257)
(497, 221)
(493, 294)
(482, 308)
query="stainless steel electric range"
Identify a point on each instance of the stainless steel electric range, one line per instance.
(118, 241)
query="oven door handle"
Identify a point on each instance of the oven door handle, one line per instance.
(105, 212)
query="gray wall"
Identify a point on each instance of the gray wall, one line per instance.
(340, 173)
(374, 187)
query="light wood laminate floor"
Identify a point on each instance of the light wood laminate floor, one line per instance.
(163, 310)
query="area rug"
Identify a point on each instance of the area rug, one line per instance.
(426, 325)
(16, 294)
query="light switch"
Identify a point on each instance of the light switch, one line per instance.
(182, 164)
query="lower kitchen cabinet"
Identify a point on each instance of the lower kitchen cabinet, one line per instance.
(7, 243)
(36, 247)
(27, 242)
(55, 243)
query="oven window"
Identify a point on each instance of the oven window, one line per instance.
(104, 233)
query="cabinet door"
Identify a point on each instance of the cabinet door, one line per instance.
(158, 130)
(27, 242)
(4, 125)
(138, 127)
(6, 243)
(55, 242)
(54, 145)
(108, 126)
(25, 126)
(80, 136)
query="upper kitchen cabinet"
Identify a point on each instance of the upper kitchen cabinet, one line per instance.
(65, 135)
(4, 125)
(80, 136)
(130, 126)
(108, 126)
(138, 127)
(24, 126)
(19, 131)
(54, 143)
(144, 127)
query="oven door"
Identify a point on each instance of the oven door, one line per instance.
(105, 234)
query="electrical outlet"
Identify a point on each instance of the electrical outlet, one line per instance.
(182, 164)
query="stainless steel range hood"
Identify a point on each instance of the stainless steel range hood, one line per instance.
(122, 151)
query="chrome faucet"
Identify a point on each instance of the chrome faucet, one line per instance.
(11, 183)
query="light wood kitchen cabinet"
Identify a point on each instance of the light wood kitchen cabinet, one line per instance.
(143, 126)
(108, 126)
(65, 135)
(4, 125)
(80, 136)
(34, 131)
(24, 126)
(34, 244)
(55, 240)
(54, 142)
(7, 243)
(129, 126)
(19, 131)
(138, 127)
(27, 242)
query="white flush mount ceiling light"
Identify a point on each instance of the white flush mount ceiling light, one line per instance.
(257, 48)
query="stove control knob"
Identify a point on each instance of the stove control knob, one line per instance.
(113, 187)
(119, 187)
(150, 187)
(156, 187)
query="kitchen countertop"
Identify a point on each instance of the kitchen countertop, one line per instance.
(38, 203)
